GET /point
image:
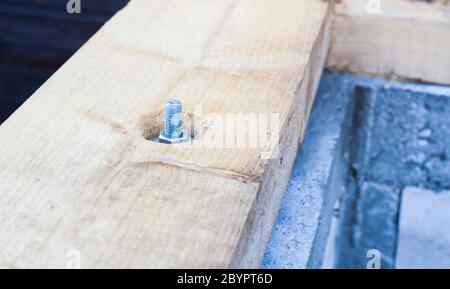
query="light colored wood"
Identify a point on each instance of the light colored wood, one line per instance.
(77, 175)
(407, 40)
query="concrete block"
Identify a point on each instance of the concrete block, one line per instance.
(410, 143)
(300, 233)
(378, 209)
(424, 232)
(369, 138)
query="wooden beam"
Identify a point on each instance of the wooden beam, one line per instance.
(79, 181)
(406, 39)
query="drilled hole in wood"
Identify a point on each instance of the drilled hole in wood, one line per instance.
(152, 125)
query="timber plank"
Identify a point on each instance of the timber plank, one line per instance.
(77, 174)
(405, 40)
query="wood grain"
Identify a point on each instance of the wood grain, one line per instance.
(77, 174)
(37, 37)
(406, 40)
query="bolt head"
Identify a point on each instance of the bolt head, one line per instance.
(163, 139)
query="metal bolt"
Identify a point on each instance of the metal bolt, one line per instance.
(173, 128)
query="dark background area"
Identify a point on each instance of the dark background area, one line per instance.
(37, 37)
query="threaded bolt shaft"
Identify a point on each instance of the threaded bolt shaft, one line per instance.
(174, 122)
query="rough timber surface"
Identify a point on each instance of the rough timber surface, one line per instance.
(78, 178)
